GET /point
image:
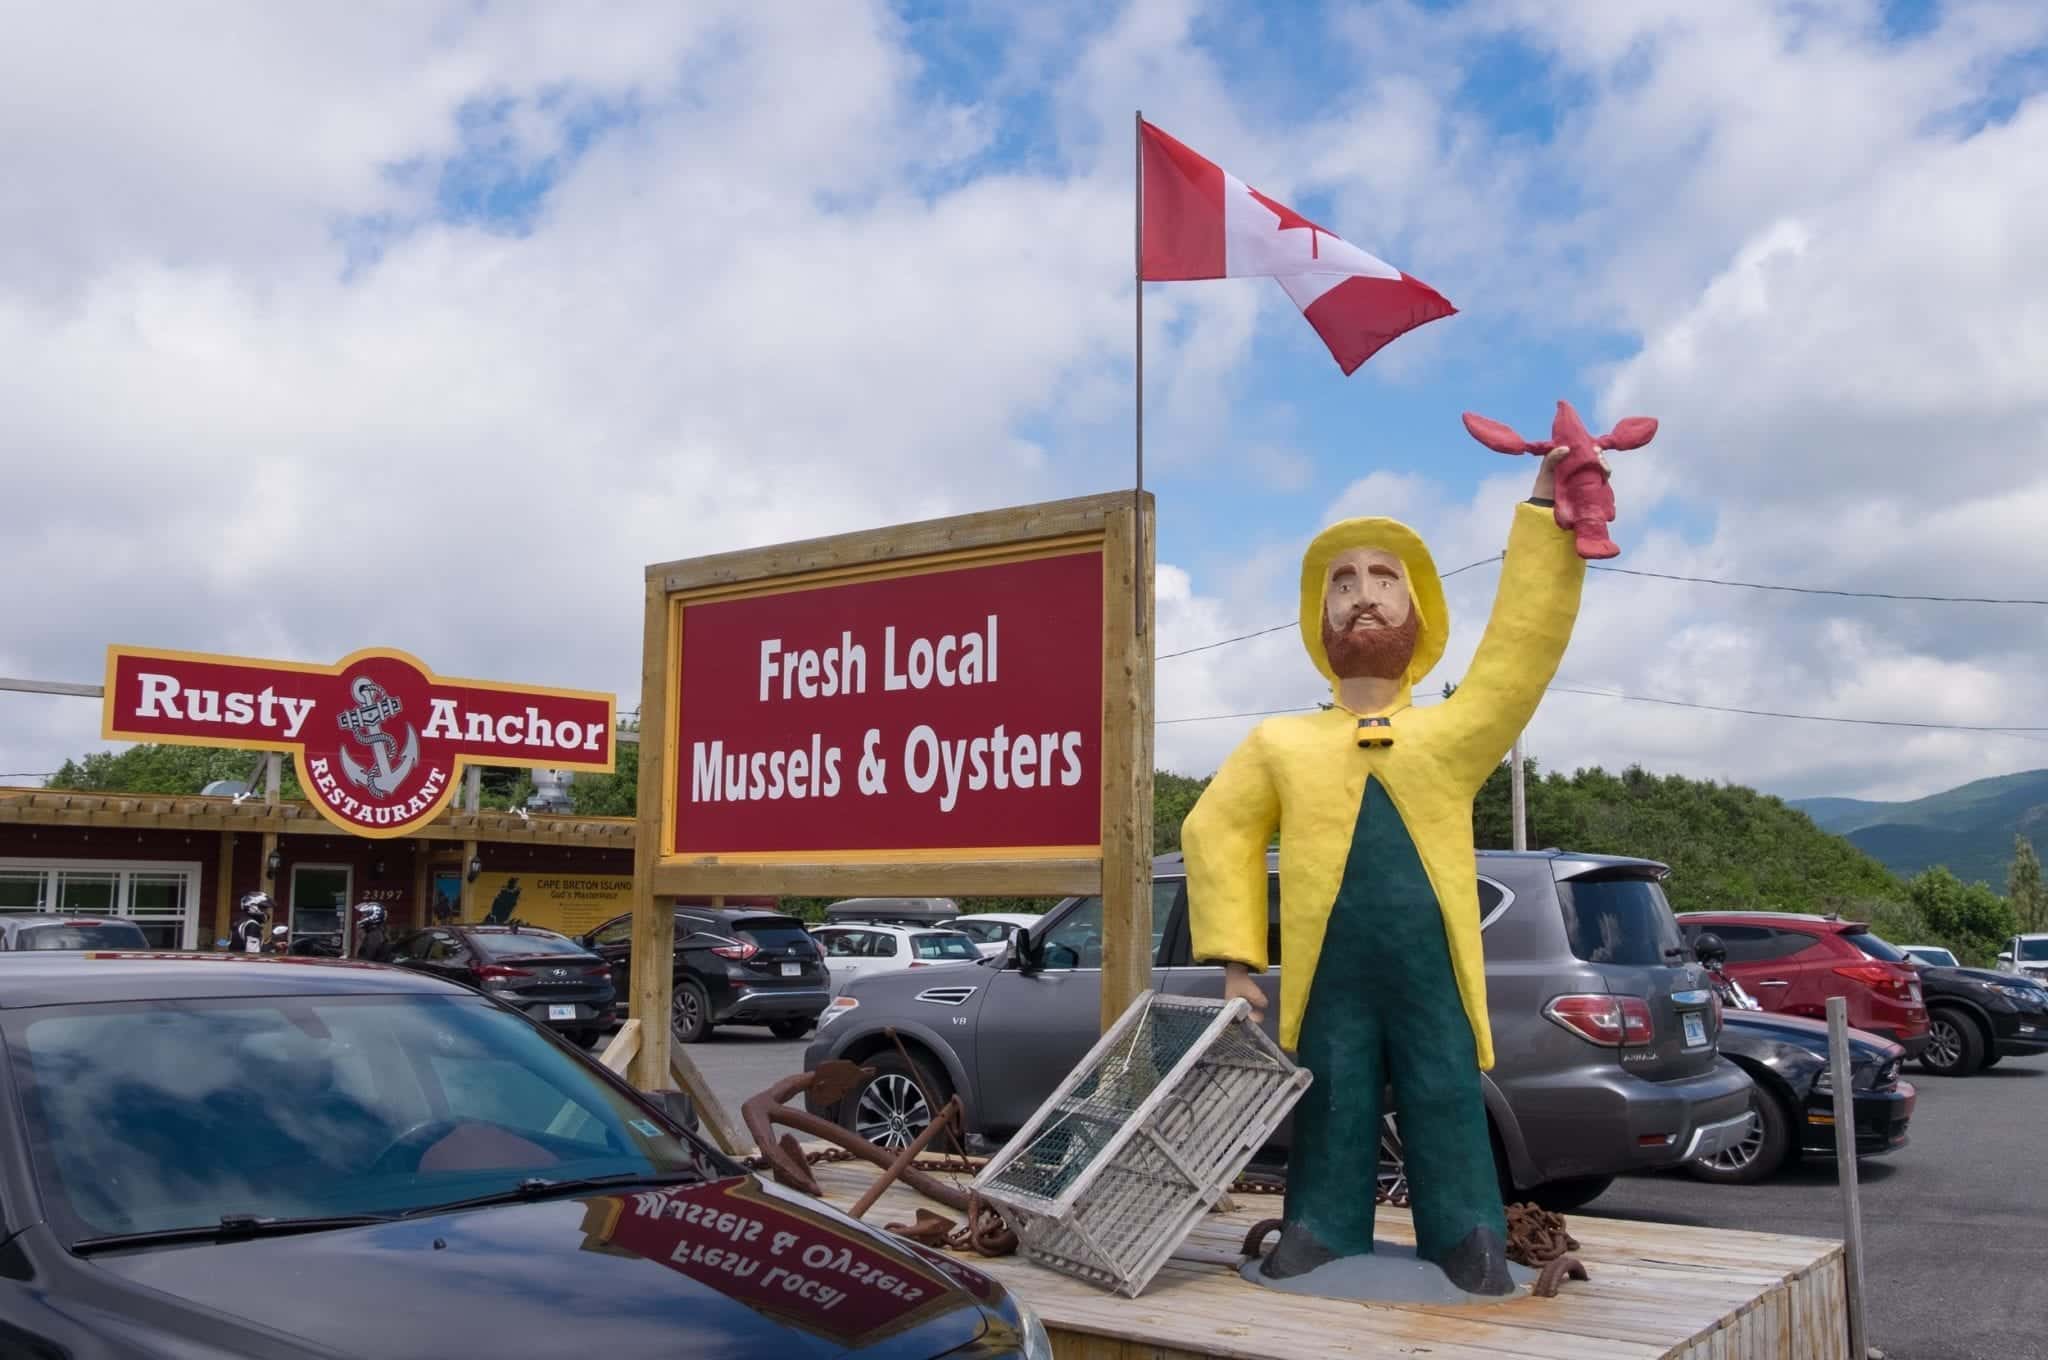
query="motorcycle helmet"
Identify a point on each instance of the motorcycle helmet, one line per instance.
(257, 905)
(369, 914)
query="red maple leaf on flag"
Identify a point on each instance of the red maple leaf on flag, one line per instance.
(1292, 220)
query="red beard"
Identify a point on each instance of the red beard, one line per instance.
(1371, 653)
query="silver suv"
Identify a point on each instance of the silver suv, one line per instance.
(1605, 1034)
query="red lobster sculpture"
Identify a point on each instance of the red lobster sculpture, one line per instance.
(1585, 502)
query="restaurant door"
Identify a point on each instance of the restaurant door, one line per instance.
(319, 909)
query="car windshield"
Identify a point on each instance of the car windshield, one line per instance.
(951, 945)
(156, 1115)
(525, 944)
(1619, 920)
(2034, 951)
(82, 935)
(1876, 948)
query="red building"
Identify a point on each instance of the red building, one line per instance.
(176, 864)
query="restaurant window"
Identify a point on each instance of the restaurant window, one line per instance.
(163, 899)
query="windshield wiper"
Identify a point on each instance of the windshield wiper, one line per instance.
(540, 1187)
(231, 1228)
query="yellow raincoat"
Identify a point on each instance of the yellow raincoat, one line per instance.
(1304, 776)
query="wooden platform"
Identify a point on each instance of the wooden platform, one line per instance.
(1656, 1290)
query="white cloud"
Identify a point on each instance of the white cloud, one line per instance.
(261, 398)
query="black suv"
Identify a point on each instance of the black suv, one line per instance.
(1976, 1016)
(549, 976)
(733, 966)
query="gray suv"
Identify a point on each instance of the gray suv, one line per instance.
(1605, 1034)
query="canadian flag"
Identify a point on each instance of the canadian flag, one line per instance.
(1200, 222)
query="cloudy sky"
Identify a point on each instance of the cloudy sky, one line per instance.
(428, 325)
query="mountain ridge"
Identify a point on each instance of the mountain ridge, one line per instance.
(1969, 828)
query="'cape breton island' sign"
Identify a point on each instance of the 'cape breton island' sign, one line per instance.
(380, 741)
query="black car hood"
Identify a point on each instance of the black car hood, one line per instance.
(730, 1268)
(1798, 1029)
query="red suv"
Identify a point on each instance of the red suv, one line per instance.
(1793, 964)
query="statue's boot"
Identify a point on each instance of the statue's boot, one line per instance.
(1478, 1264)
(1297, 1253)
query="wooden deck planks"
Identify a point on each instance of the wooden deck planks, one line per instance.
(1657, 1290)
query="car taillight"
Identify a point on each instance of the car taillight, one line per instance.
(1880, 977)
(498, 972)
(736, 951)
(1610, 1021)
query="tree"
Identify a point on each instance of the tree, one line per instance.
(2023, 889)
(1173, 798)
(610, 795)
(1967, 917)
(152, 767)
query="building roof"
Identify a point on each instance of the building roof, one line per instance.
(197, 812)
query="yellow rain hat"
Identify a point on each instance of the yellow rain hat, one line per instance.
(1424, 587)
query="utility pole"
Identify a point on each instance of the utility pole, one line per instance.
(1517, 798)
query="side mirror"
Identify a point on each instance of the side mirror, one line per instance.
(1709, 950)
(1027, 952)
(678, 1106)
(2005, 958)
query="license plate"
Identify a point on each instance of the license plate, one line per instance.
(792, 970)
(561, 1012)
(1695, 1029)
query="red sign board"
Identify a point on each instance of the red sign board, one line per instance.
(380, 741)
(950, 708)
(780, 1259)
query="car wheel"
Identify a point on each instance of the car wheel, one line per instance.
(689, 1012)
(1570, 1193)
(789, 1029)
(1954, 1048)
(893, 1106)
(1765, 1146)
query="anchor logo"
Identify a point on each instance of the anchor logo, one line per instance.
(366, 721)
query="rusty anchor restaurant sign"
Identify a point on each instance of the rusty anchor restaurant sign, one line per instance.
(379, 740)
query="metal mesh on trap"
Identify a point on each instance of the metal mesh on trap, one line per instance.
(1144, 1136)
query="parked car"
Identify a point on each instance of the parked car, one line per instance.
(1932, 953)
(732, 966)
(41, 931)
(1976, 1017)
(897, 911)
(1603, 1034)
(870, 950)
(1792, 1101)
(549, 976)
(252, 1157)
(1793, 963)
(994, 931)
(2026, 955)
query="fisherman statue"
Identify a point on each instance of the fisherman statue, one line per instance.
(1371, 798)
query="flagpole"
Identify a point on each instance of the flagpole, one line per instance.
(1138, 293)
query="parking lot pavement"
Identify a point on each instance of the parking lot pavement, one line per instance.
(740, 1061)
(1955, 1224)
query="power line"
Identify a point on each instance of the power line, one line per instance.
(1815, 590)
(1693, 580)
(1282, 627)
(2010, 731)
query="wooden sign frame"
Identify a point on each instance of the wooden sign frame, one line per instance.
(1119, 526)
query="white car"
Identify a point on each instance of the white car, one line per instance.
(992, 931)
(856, 951)
(2026, 955)
(1932, 954)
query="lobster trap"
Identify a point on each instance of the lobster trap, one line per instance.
(1142, 1138)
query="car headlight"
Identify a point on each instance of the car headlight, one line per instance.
(2033, 996)
(1037, 1345)
(841, 1005)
